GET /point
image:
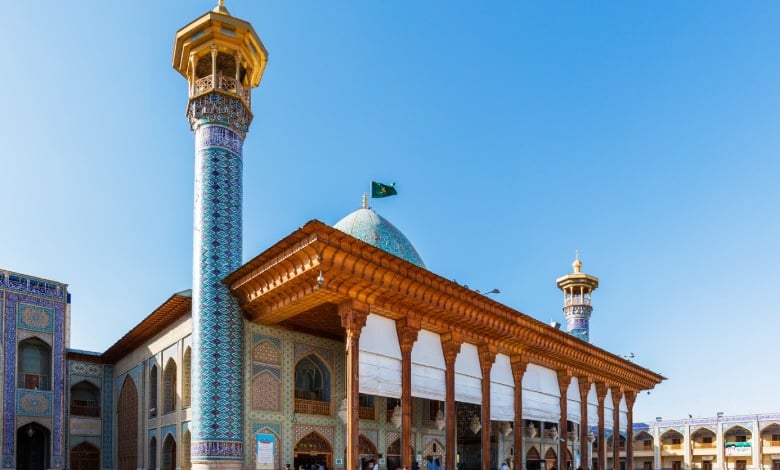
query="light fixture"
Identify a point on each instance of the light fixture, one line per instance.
(343, 411)
(505, 428)
(491, 291)
(475, 425)
(439, 420)
(396, 418)
(30, 431)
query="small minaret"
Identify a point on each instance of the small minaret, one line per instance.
(577, 288)
(222, 59)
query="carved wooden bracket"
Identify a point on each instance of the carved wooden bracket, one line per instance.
(407, 329)
(450, 345)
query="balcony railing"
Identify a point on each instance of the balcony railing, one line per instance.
(222, 83)
(704, 445)
(85, 408)
(672, 446)
(772, 443)
(33, 382)
(312, 407)
(365, 412)
(576, 300)
(642, 446)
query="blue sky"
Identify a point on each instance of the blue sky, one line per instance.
(644, 134)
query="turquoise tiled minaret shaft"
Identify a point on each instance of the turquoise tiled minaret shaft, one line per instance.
(222, 59)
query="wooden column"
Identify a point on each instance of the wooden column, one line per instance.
(564, 380)
(450, 345)
(407, 329)
(601, 393)
(353, 319)
(630, 399)
(487, 355)
(585, 446)
(519, 364)
(617, 396)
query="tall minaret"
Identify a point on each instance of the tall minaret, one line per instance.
(577, 288)
(222, 58)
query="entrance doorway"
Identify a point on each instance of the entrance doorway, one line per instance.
(32, 447)
(775, 465)
(394, 455)
(741, 465)
(85, 456)
(532, 459)
(706, 465)
(311, 451)
(649, 466)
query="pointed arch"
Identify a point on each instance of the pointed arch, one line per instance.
(33, 446)
(34, 364)
(277, 450)
(85, 399)
(312, 385)
(365, 446)
(266, 390)
(186, 459)
(186, 378)
(313, 442)
(153, 385)
(168, 461)
(127, 424)
(532, 453)
(550, 454)
(153, 452)
(85, 456)
(169, 386)
(643, 440)
(434, 449)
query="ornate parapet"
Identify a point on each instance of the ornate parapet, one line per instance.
(218, 107)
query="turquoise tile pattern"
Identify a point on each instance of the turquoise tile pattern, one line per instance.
(370, 227)
(217, 404)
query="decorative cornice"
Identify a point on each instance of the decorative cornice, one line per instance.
(282, 282)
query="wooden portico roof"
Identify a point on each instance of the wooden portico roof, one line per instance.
(280, 287)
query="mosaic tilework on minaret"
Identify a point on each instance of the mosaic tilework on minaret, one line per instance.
(222, 59)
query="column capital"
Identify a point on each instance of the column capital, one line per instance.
(353, 316)
(519, 363)
(630, 399)
(407, 329)
(564, 380)
(601, 392)
(450, 345)
(487, 355)
(585, 383)
(617, 395)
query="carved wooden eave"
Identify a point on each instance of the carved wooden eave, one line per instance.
(282, 282)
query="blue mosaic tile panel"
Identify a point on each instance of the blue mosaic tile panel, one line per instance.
(108, 414)
(32, 405)
(31, 286)
(34, 317)
(217, 421)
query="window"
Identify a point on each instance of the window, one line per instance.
(186, 373)
(647, 444)
(169, 386)
(85, 400)
(153, 392)
(34, 363)
(310, 380)
(706, 440)
(741, 438)
(776, 437)
(676, 441)
(153, 453)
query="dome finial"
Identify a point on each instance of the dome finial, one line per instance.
(577, 264)
(365, 201)
(220, 8)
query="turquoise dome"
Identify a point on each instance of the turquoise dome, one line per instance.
(370, 227)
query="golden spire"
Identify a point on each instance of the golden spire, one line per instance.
(220, 8)
(577, 264)
(365, 201)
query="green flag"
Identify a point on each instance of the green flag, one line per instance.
(382, 190)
